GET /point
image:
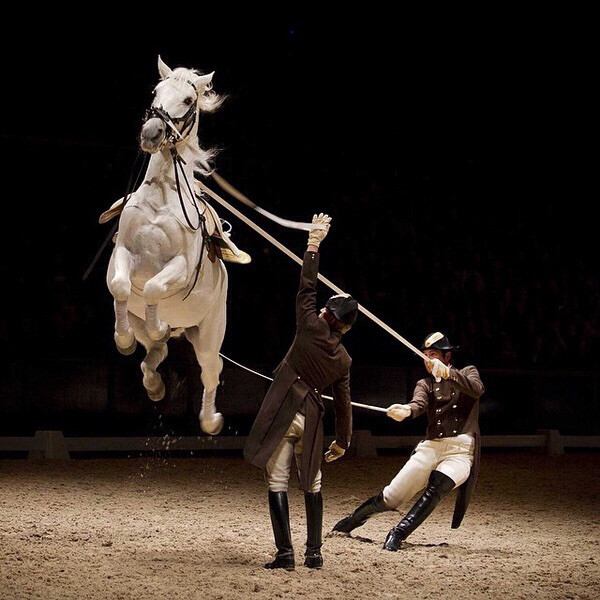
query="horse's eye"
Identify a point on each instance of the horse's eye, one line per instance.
(188, 101)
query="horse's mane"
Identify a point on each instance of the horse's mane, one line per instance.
(208, 101)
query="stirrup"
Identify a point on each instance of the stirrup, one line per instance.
(243, 258)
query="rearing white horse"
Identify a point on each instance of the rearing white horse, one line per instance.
(160, 274)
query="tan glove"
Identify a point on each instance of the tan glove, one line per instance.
(316, 236)
(398, 412)
(334, 452)
(438, 369)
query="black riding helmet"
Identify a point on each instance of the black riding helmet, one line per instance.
(437, 341)
(343, 307)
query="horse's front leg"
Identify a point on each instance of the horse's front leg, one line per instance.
(174, 275)
(120, 288)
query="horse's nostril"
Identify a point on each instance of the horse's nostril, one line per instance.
(153, 132)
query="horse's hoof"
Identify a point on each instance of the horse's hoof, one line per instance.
(158, 394)
(126, 343)
(213, 425)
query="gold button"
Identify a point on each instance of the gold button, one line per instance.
(454, 431)
(454, 406)
(439, 423)
(440, 435)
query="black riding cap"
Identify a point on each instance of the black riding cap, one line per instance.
(344, 308)
(437, 341)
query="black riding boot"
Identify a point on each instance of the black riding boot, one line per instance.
(280, 520)
(359, 517)
(437, 487)
(313, 502)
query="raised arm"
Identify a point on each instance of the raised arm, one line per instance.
(306, 300)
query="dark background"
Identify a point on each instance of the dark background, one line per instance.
(453, 151)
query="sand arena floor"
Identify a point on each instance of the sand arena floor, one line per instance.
(154, 527)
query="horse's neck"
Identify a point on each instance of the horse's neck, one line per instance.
(161, 166)
(169, 185)
(171, 179)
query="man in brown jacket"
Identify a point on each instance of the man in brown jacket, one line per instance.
(449, 456)
(290, 420)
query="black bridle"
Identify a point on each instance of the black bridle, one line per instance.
(173, 134)
(187, 120)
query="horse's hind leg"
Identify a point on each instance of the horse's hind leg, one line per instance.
(156, 352)
(206, 343)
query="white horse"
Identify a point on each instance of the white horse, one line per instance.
(160, 274)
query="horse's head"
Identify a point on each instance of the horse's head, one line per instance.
(178, 97)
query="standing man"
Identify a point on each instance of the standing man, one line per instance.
(289, 423)
(449, 456)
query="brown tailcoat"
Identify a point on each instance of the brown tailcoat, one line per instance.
(316, 359)
(452, 407)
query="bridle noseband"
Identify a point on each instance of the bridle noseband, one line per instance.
(187, 120)
(173, 134)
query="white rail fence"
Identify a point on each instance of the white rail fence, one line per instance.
(54, 445)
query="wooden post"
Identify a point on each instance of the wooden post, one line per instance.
(49, 444)
(554, 443)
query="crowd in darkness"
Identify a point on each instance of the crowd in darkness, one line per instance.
(507, 282)
(489, 242)
(423, 250)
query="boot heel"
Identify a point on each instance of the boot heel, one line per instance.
(314, 560)
(282, 561)
(394, 539)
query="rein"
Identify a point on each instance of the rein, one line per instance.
(188, 120)
(178, 163)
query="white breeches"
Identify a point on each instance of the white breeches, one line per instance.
(277, 471)
(452, 456)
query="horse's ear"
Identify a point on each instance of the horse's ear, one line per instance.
(163, 70)
(203, 81)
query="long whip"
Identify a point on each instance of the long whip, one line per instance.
(298, 260)
(128, 191)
